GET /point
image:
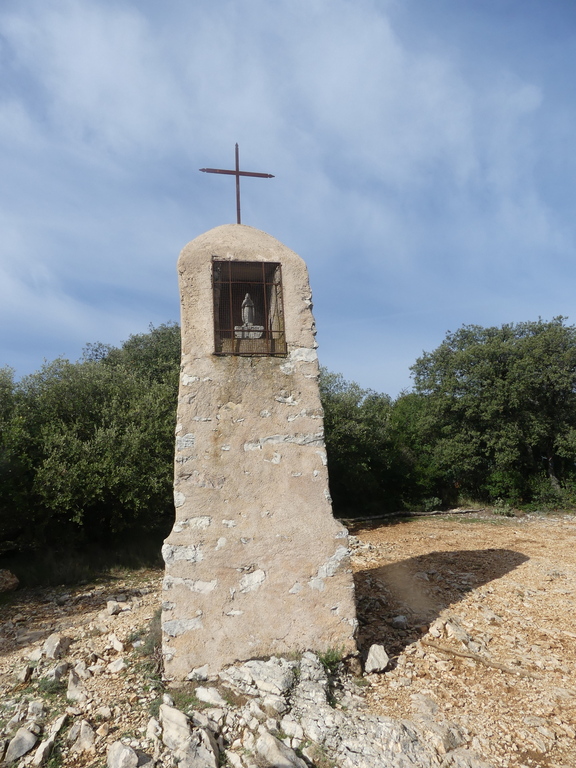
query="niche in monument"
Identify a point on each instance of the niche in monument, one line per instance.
(248, 308)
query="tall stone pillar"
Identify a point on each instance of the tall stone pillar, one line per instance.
(256, 564)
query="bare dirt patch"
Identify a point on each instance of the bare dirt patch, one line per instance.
(488, 638)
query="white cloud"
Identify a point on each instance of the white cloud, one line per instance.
(388, 155)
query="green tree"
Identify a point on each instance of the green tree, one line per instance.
(16, 466)
(501, 408)
(154, 355)
(365, 469)
(413, 433)
(89, 445)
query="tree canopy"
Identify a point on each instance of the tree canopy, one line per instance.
(500, 414)
(86, 448)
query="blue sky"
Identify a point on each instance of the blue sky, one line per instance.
(423, 153)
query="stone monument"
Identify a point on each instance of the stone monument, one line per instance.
(256, 564)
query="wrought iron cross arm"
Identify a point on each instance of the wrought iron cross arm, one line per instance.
(239, 173)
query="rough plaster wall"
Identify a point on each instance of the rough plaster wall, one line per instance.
(255, 563)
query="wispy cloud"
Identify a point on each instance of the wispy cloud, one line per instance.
(415, 187)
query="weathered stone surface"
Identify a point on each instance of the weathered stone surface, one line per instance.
(45, 748)
(400, 622)
(175, 727)
(82, 670)
(255, 564)
(20, 744)
(116, 666)
(233, 759)
(25, 673)
(210, 696)
(85, 740)
(377, 659)
(153, 729)
(35, 654)
(200, 673)
(115, 643)
(56, 672)
(121, 756)
(113, 607)
(75, 690)
(43, 752)
(36, 711)
(276, 753)
(275, 676)
(199, 752)
(56, 646)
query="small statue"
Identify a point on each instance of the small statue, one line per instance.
(248, 330)
(248, 311)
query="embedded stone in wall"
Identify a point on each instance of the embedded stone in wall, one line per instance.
(256, 564)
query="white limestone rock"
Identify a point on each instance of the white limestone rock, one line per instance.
(175, 727)
(121, 756)
(20, 744)
(56, 672)
(276, 753)
(200, 673)
(116, 666)
(56, 646)
(153, 729)
(201, 751)
(75, 691)
(377, 659)
(275, 677)
(85, 740)
(210, 696)
(45, 748)
(25, 673)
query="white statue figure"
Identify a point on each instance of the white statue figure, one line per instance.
(248, 311)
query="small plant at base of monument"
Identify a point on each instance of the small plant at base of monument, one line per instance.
(331, 659)
(151, 651)
(185, 699)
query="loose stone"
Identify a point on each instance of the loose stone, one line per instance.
(121, 756)
(377, 659)
(20, 744)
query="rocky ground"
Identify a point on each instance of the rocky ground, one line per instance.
(475, 611)
(489, 635)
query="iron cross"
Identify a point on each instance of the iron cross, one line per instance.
(237, 172)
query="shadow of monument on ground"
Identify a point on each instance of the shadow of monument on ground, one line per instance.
(418, 589)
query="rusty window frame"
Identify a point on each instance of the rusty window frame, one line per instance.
(231, 280)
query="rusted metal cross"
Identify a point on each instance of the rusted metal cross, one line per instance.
(237, 172)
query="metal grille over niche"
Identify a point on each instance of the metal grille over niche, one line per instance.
(248, 308)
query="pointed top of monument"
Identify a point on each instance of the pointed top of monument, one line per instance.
(240, 242)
